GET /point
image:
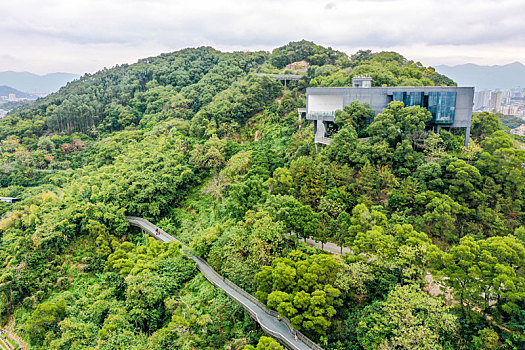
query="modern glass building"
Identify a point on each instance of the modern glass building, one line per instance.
(451, 107)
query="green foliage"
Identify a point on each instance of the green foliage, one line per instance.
(215, 154)
(304, 50)
(485, 274)
(306, 174)
(385, 68)
(511, 121)
(234, 106)
(485, 124)
(265, 343)
(243, 248)
(357, 115)
(440, 214)
(301, 288)
(45, 319)
(397, 122)
(244, 196)
(409, 319)
(210, 155)
(400, 245)
(342, 148)
(488, 339)
(296, 217)
(131, 260)
(281, 183)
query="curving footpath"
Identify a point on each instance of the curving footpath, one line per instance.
(269, 320)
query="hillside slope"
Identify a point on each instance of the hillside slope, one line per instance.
(217, 156)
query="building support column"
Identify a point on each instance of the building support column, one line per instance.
(467, 136)
(320, 130)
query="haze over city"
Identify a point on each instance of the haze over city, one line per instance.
(85, 36)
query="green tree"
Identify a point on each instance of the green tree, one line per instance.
(243, 196)
(145, 301)
(210, 155)
(487, 339)
(464, 183)
(308, 181)
(357, 115)
(429, 176)
(265, 343)
(75, 334)
(485, 124)
(439, 215)
(409, 319)
(45, 319)
(364, 219)
(302, 289)
(281, 182)
(398, 123)
(376, 183)
(485, 274)
(297, 218)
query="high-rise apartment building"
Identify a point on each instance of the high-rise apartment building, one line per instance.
(496, 98)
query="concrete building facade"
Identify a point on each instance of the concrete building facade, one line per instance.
(451, 107)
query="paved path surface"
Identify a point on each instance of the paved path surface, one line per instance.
(9, 335)
(270, 324)
(327, 247)
(433, 287)
(148, 227)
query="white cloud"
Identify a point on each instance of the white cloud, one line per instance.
(85, 35)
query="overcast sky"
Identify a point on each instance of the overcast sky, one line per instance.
(78, 36)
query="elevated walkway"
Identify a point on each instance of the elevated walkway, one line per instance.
(285, 78)
(282, 76)
(269, 320)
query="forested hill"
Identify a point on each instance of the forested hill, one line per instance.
(183, 82)
(195, 141)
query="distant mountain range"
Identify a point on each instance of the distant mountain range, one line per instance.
(6, 91)
(36, 84)
(503, 77)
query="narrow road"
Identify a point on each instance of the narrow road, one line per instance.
(327, 247)
(433, 288)
(267, 319)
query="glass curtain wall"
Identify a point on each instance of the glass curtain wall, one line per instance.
(442, 105)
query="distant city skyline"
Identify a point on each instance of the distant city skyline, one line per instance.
(508, 102)
(85, 36)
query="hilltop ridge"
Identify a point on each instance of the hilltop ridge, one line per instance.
(484, 77)
(33, 83)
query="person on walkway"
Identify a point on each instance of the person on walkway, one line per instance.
(157, 231)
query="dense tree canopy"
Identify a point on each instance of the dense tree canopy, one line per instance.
(215, 155)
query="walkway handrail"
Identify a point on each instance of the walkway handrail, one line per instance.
(147, 226)
(240, 290)
(143, 224)
(251, 312)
